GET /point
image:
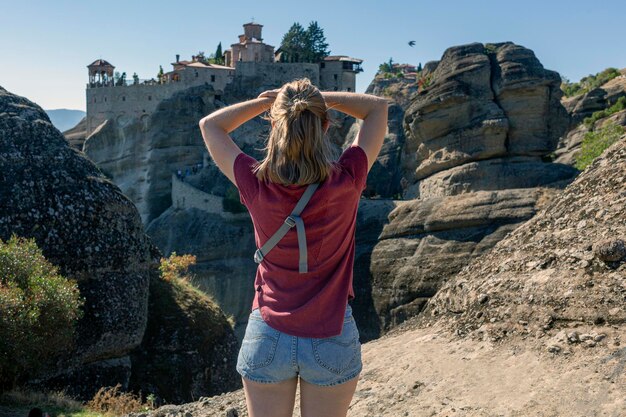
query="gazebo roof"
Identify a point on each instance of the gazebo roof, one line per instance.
(100, 63)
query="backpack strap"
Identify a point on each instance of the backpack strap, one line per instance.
(292, 220)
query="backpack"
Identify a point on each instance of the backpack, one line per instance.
(293, 219)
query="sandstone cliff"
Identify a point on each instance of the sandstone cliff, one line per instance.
(86, 226)
(474, 169)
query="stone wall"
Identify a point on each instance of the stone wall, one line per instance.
(277, 73)
(186, 196)
(136, 101)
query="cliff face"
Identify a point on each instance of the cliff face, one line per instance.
(83, 224)
(141, 155)
(563, 268)
(472, 169)
(93, 233)
(488, 115)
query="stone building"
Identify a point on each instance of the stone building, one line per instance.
(338, 73)
(249, 64)
(250, 47)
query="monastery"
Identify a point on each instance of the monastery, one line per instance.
(249, 63)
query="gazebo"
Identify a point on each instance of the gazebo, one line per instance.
(100, 72)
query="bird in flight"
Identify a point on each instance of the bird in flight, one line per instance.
(411, 43)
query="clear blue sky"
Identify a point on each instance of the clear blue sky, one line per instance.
(47, 45)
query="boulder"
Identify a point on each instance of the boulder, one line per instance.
(483, 102)
(86, 226)
(83, 223)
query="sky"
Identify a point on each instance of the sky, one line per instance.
(45, 46)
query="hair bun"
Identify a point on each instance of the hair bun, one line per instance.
(299, 105)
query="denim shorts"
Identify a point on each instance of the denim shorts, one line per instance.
(268, 355)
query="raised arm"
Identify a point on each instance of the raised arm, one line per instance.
(369, 108)
(216, 126)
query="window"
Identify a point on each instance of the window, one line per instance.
(335, 88)
(196, 73)
(212, 78)
(323, 65)
(123, 98)
(335, 75)
(105, 99)
(149, 98)
(218, 97)
(348, 88)
(94, 99)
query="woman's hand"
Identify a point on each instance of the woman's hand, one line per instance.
(270, 93)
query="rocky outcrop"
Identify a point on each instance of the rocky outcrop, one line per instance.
(93, 233)
(563, 268)
(76, 135)
(569, 145)
(483, 102)
(83, 224)
(140, 155)
(474, 169)
(223, 248)
(188, 349)
(584, 105)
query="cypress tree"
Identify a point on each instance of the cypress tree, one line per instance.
(219, 59)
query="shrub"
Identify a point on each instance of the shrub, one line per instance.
(110, 400)
(174, 270)
(38, 310)
(176, 266)
(589, 82)
(619, 105)
(595, 142)
(231, 201)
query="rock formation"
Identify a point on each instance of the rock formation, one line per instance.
(76, 135)
(85, 225)
(141, 155)
(476, 135)
(489, 112)
(565, 267)
(584, 105)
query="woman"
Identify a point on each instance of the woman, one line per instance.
(301, 324)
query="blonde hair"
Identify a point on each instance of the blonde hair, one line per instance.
(298, 151)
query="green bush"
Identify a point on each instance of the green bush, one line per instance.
(231, 202)
(595, 142)
(38, 310)
(589, 82)
(619, 105)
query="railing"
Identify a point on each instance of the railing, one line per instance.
(128, 82)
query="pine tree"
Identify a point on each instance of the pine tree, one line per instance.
(316, 46)
(293, 43)
(299, 45)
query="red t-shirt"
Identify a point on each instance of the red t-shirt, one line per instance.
(311, 304)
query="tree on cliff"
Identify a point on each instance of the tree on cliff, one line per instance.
(300, 45)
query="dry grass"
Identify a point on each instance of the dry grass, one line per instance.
(107, 402)
(112, 401)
